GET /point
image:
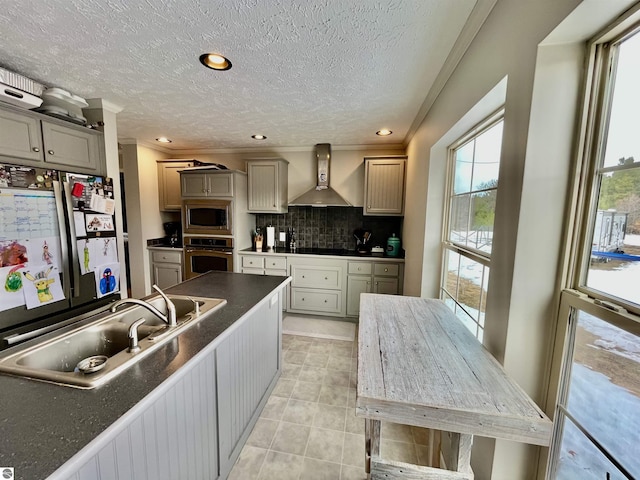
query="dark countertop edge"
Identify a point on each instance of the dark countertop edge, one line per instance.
(61, 422)
(350, 255)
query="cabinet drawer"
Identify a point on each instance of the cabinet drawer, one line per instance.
(252, 261)
(275, 263)
(328, 301)
(167, 257)
(359, 268)
(316, 277)
(386, 269)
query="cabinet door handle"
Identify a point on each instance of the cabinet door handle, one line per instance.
(302, 276)
(325, 301)
(326, 278)
(368, 206)
(386, 269)
(50, 152)
(35, 149)
(303, 299)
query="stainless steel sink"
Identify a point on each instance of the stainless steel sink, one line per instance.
(102, 344)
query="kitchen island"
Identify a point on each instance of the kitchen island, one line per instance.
(183, 411)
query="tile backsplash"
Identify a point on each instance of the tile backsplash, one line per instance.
(330, 227)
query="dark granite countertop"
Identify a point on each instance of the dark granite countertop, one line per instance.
(42, 425)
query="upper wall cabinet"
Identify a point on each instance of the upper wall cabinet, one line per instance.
(202, 183)
(268, 186)
(33, 139)
(71, 149)
(384, 181)
(169, 183)
(20, 136)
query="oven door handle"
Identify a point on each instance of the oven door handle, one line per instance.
(204, 250)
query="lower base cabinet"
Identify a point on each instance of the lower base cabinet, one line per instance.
(166, 267)
(195, 424)
(371, 277)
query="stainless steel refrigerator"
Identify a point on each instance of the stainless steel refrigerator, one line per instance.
(58, 256)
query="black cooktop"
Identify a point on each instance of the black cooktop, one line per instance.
(324, 251)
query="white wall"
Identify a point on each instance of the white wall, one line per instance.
(144, 219)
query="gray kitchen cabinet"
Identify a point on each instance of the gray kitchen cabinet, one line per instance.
(71, 148)
(196, 184)
(384, 184)
(317, 285)
(20, 136)
(372, 276)
(169, 183)
(166, 266)
(268, 182)
(268, 264)
(356, 285)
(34, 139)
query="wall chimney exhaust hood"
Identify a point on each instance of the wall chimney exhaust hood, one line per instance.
(322, 195)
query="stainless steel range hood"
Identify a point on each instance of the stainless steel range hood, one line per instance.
(322, 195)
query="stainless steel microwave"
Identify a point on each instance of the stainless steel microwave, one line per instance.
(209, 217)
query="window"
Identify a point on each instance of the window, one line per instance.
(598, 403)
(474, 161)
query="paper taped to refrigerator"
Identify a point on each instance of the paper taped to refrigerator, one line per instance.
(42, 286)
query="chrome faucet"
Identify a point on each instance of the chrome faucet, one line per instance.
(171, 308)
(142, 303)
(133, 336)
(170, 318)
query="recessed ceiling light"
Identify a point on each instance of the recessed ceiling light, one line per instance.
(163, 140)
(259, 137)
(215, 61)
(384, 132)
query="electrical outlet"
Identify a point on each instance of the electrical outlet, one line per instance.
(283, 237)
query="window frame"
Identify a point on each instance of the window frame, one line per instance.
(602, 57)
(473, 254)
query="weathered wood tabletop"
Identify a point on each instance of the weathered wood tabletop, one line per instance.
(419, 365)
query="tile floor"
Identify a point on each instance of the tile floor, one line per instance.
(308, 428)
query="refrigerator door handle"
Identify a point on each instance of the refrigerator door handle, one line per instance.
(75, 262)
(64, 238)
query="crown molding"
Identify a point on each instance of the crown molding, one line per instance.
(476, 19)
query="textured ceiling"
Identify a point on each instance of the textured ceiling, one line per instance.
(304, 72)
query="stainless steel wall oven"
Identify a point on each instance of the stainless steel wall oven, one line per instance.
(202, 254)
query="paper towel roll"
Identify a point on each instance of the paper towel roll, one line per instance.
(271, 236)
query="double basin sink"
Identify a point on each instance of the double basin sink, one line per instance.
(88, 355)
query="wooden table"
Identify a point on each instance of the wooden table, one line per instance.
(419, 365)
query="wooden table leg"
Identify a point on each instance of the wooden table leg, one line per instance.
(371, 442)
(459, 458)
